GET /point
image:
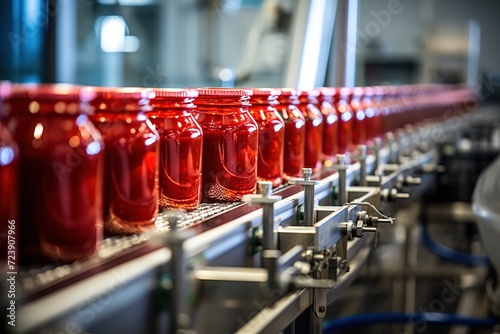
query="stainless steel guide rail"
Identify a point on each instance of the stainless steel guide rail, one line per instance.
(261, 271)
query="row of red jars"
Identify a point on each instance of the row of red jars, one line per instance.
(230, 145)
(61, 159)
(131, 157)
(405, 105)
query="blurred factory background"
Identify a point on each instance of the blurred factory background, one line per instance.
(180, 43)
(303, 44)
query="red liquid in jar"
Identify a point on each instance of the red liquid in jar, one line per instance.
(9, 164)
(230, 144)
(375, 122)
(344, 110)
(389, 120)
(295, 133)
(181, 144)
(131, 159)
(60, 175)
(330, 124)
(271, 135)
(314, 129)
(359, 131)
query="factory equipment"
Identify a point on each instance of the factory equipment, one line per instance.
(274, 261)
(225, 217)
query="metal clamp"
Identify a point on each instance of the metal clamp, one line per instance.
(361, 157)
(392, 195)
(266, 200)
(377, 146)
(393, 147)
(357, 230)
(342, 181)
(308, 185)
(174, 239)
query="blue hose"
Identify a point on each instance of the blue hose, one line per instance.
(419, 320)
(451, 254)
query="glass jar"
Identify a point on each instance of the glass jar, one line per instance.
(9, 166)
(314, 129)
(132, 158)
(271, 135)
(378, 111)
(330, 124)
(391, 102)
(60, 175)
(359, 131)
(230, 143)
(344, 111)
(295, 132)
(181, 144)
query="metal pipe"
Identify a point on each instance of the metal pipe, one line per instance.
(347, 29)
(308, 198)
(362, 165)
(342, 189)
(269, 238)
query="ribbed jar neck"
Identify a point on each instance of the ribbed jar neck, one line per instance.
(222, 105)
(287, 100)
(124, 106)
(325, 98)
(47, 108)
(222, 101)
(172, 105)
(264, 100)
(308, 100)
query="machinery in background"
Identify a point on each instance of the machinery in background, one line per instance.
(233, 267)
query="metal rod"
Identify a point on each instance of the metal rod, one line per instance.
(269, 238)
(347, 29)
(342, 193)
(362, 167)
(308, 197)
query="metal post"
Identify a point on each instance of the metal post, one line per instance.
(308, 184)
(269, 238)
(342, 185)
(308, 198)
(347, 30)
(266, 199)
(362, 162)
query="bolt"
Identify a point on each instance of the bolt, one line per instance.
(303, 268)
(340, 159)
(173, 216)
(265, 188)
(362, 150)
(306, 173)
(402, 196)
(322, 309)
(325, 265)
(345, 265)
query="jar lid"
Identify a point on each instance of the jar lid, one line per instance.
(378, 90)
(132, 93)
(326, 91)
(55, 92)
(175, 92)
(391, 90)
(289, 92)
(218, 91)
(266, 92)
(343, 91)
(357, 91)
(368, 91)
(311, 94)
